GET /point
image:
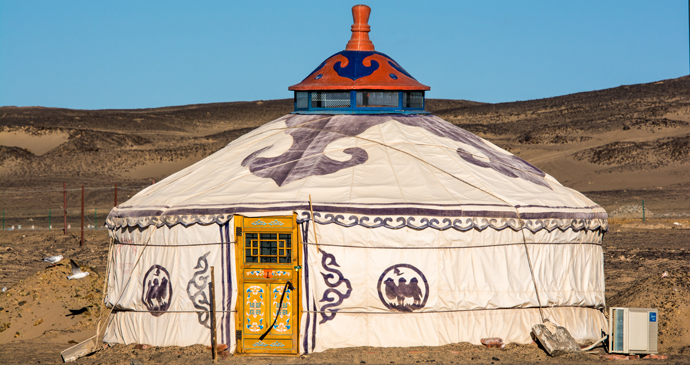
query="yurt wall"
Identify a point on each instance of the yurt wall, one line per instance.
(165, 274)
(457, 286)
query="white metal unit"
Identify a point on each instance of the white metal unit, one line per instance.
(633, 330)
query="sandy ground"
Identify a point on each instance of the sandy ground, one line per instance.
(42, 313)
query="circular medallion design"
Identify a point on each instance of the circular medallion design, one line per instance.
(157, 290)
(403, 288)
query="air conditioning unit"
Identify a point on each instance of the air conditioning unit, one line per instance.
(633, 330)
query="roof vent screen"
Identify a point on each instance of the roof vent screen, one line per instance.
(330, 99)
(381, 99)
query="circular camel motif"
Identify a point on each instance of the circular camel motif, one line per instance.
(403, 288)
(157, 290)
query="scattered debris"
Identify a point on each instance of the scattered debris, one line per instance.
(665, 274)
(633, 357)
(141, 347)
(655, 357)
(219, 348)
(493, 343)
(82, 349)
(619, 357)
(556, 340)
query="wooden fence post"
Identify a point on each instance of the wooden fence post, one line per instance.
(64, 207)
(81, 243)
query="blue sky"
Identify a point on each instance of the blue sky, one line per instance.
(138, 54)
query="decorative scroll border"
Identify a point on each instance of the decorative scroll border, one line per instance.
(460, 224)
(390, 222)
(329, 264)
(198, 298)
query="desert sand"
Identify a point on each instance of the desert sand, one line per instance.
(618, 146)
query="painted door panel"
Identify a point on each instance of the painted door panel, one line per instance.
(267, 258)
(255, 308)
(283, 324)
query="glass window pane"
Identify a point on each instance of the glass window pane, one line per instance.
(269, 259)
(268, 236)
(250, 258)
(281, 244)
(255, 252)
(413, 99)
(301, 99)
(381, 99)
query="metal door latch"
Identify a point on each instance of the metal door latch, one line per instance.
(238, 335)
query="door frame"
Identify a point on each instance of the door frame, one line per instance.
(248, 225)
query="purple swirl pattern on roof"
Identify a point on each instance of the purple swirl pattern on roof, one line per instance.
(313, 133)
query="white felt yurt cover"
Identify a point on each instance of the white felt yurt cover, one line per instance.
(482, 238)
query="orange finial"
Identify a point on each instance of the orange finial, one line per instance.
(360, 30)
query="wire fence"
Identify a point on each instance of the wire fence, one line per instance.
(62, 209)
(641, 210)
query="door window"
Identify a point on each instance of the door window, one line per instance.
(268, 248)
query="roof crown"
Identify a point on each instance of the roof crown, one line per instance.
(359, 66)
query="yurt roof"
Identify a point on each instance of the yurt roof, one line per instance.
(391, 171)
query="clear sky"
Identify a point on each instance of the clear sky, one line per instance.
(138, 54)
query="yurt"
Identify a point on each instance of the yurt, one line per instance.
(357, 220)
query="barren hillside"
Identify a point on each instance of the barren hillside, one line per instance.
(618, 145)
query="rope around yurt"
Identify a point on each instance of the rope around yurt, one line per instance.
(524, 238)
